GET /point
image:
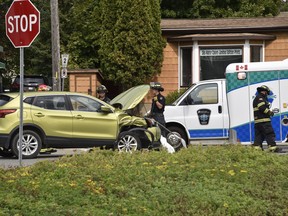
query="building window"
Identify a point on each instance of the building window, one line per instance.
(186, 66)
(256, 53)
(213, 61)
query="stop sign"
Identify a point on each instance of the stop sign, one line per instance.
(22, 22)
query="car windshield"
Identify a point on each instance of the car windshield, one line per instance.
(4, 99)
(180, 98)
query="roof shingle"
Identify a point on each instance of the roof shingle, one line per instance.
(280, 22)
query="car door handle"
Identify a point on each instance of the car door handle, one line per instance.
(39, 114)
(219, 109)
(79, 117)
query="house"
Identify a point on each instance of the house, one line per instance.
(200, 49)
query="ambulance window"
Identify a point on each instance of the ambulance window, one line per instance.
(241, 75)
(202, 94)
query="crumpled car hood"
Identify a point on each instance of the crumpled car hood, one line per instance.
(131, 98)
(141, 122)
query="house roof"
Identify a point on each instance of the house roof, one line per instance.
(226, 24)
(85, 71)
(224, 36)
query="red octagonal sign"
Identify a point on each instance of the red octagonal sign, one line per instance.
(22, 22)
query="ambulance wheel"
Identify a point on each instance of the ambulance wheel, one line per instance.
(128, 142)
(173, 137)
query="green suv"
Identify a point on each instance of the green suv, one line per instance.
(73, 120)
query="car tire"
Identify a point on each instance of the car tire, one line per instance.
(7, 153)
(32, 144)
(128, 142)
(174, 141)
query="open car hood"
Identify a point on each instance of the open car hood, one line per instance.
(130, 98)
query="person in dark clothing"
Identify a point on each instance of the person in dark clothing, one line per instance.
(158, 105)
(102, 91)
(262, 120)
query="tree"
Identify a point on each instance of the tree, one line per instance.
(219, 8)
(80, 25)
(284, 5)
(37, 57)
(131, 44)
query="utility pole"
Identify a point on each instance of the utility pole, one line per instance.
(55, 38)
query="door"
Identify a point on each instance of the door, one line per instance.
(204, 111)
(90, 124)
(51, 114)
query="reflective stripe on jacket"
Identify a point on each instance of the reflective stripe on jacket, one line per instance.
(261, 109)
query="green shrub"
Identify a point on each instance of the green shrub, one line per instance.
(216, 180)
(172, 96)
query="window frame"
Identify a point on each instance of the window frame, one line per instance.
(188, 100)
(98, 109)
(181, 76)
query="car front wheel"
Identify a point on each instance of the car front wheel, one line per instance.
(128, 142)
(31, 144)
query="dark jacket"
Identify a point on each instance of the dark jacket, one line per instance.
(107, 100)
(261, 109)
(154, 108)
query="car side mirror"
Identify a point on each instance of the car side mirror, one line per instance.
(105, 109)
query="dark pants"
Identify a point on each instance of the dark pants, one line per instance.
(159, 117)
(264, 131)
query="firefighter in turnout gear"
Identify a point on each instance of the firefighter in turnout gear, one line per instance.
(158, 105)
(262, 119)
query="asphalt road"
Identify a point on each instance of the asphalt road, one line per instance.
(8, 163)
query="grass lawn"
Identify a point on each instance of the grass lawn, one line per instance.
(216, 180)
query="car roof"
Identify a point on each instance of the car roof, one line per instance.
(43, 93)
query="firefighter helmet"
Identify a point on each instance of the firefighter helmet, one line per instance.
(102, 89)
(263, 88)
(156, 86)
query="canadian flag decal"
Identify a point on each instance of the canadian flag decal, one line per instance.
(241, 67)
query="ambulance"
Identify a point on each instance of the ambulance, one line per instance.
(220, 111)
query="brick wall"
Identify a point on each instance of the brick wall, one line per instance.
(169, 72)
(277, 50)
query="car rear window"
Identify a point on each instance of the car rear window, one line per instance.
(4, 99)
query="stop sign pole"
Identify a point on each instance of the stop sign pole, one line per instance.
(22, 22)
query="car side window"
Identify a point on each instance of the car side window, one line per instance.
(51, 102)
(81, 103)
(4, 99)
(29, 100)
(203, 94)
